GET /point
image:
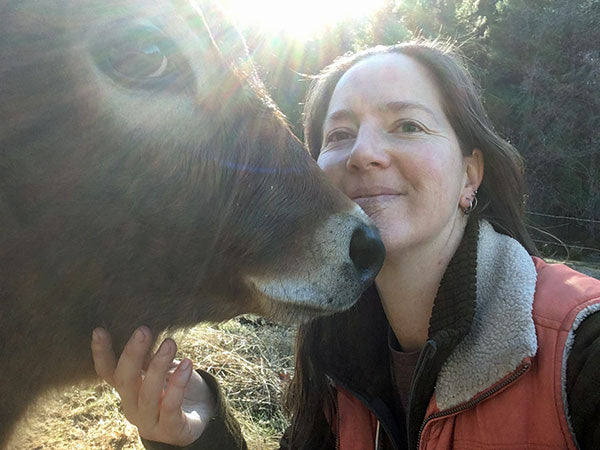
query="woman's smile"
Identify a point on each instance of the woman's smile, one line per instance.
(375, 192)
(369, 202)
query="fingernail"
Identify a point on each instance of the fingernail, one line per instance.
(185, 364)
(96, 335)
(139, 335)
(164, 348)
(185, 370)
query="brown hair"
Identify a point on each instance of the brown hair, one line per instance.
(500, 196)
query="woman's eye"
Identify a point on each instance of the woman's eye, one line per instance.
(408, 127)
(339, 135)
(137, 57)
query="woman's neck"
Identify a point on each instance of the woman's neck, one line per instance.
(408, 283)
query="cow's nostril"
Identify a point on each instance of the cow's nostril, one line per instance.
(366, 251)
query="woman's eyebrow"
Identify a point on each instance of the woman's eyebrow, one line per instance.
(399, 106)
(385, 108)
(341, 115)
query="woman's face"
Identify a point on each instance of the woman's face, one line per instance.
(389, 146)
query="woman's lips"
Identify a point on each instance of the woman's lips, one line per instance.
(375, 197)
(371, 192)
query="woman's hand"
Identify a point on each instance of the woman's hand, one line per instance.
(168, 402)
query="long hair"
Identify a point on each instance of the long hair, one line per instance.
(500, 197)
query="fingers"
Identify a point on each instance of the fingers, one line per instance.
(128, 373)
(174, 395)
(151, 390)
(105, 361)
(185, 428)
(154, 400)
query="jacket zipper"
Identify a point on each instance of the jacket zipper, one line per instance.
(471, 403)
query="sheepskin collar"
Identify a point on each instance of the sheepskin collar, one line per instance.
(481, 328)
(502, 331)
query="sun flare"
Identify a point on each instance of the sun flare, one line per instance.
(301, 19)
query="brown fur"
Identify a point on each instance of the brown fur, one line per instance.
(145, 178)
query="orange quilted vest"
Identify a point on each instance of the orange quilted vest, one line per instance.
(522, 409)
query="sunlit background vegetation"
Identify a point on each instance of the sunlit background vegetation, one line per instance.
(538, 62)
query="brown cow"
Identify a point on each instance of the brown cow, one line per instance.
(147, 178)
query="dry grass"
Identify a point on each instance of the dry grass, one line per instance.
(251, 357)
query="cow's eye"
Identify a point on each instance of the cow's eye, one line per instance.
(138, 57)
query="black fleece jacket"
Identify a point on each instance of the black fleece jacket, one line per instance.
(364, 369)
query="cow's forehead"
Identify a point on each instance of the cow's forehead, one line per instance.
(75, 14)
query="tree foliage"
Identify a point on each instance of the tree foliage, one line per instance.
(538, 62)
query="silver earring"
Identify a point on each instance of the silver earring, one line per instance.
(472, 204)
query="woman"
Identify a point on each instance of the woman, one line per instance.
(465, 341)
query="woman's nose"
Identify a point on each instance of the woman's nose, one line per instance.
(369, 152)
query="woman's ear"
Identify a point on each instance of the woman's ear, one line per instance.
(474, 174)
